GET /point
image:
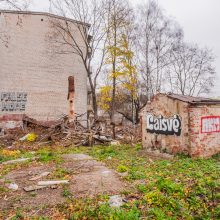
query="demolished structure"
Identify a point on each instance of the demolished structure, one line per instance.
(182, 124)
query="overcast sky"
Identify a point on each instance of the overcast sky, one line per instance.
(200, 20)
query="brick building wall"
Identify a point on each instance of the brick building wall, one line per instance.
(34, 78)
(161, 105)
(200, 126)
(203, 143)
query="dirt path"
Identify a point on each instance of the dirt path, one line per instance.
(87, 178)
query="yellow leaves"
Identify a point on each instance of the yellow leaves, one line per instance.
(119, 57)
(10, 153)
(105, 98)
(31, 137)
(71, 207)
(66, 177)
(116, 74)
(186, 191)
(152, 197)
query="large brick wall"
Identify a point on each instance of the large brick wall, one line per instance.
(203, 144)
(161, 105)
(196, 139)
(29, 65)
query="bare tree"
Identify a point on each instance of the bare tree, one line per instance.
(93, 35)
(191, 72)
(15, 4)
(157, 34)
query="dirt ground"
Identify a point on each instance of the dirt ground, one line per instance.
(87, 178)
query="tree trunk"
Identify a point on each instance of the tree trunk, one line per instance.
(114, 82)
(94, 105)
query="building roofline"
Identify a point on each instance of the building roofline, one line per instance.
(193, 100)
(44, 14)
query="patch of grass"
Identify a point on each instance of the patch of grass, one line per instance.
(18, 216)
(66, 192)
(183, 188)
(6, 155)
(33, 194)
(122, 169)
(60, 173)
(97, 209)
(9, 167)
(179, 189)
(3, 190)
(48, 155)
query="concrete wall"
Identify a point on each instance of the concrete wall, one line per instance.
(204, 138)
(33, 78)
(161, 105)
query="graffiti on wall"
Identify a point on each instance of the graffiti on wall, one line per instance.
(161, 125)
(13, 101)
(210, 124)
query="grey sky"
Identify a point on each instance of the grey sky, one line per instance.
(200, 20)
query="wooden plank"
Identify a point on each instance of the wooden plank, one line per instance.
(39, 176)
(52, 182)
(16, 161)
(33, 188)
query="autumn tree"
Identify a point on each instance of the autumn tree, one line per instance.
(117, 20)
(128, 79)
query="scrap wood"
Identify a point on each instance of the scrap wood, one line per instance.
(39, 176)
(33, 188)
(30, 121)
(18, 160)
(102, 138)
(65, 132)
(52, 182)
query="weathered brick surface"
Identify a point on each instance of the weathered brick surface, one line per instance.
(161, 105)
(203, 144)
(192, 140)
(28, 64)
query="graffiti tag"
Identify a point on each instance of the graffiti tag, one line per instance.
(210, 124)
(13, 101)
(161, 125)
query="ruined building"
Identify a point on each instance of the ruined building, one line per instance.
(182, 124)
(34, 76)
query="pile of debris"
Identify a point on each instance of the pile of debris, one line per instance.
(64, 132)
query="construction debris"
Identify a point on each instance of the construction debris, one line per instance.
(115, 201)
(17, 161)
(13, 186)
(65, 132)
(52, 182)
(77, 157)
(115, 143)
(31, 137)
(33, 188)
(40, 176)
